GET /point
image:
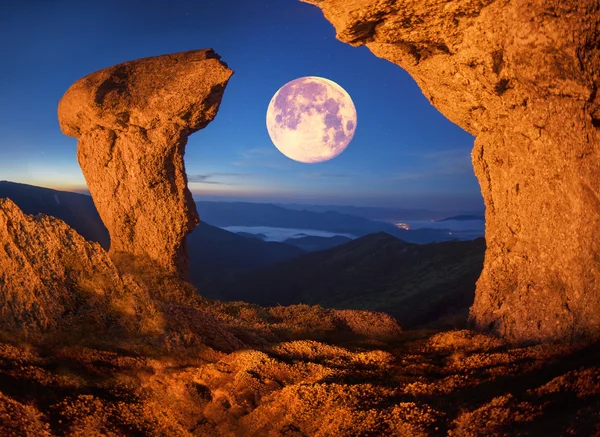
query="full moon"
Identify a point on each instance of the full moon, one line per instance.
(311, 119)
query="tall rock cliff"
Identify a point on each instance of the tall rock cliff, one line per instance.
(132, 121)
(523, 77)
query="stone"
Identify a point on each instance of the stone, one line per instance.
(522, 77)
(132, 121)
(42, 261)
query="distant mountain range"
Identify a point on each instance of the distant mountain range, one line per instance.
(224, 214)
(417, 284)
(370, 212)
(217, 254)
(387, 214)
(311, 243)
(212, 251)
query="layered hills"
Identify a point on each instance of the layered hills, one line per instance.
(417, 284)
(224, 214)
(216, 254)
(213, 252)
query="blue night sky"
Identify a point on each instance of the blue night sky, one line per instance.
(404, 152)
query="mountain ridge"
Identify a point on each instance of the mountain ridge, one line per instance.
(418, 284)
(212, 250)
(312, 243)
(225, 214)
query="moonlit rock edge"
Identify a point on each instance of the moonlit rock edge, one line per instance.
(41, 259)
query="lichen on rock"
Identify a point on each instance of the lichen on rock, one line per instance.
(132, 121)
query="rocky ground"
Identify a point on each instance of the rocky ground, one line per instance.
(93, 345)
(178, 365)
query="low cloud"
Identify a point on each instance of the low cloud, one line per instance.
(213, 178)
(258, 164)
(257, 152)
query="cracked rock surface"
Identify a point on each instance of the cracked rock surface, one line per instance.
(132, 121)
(522, 76)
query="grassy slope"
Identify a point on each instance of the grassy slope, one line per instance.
(215, 254)
(415, 283)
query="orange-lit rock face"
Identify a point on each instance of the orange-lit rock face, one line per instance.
(132, 121)
(41, 260)
(522, 76)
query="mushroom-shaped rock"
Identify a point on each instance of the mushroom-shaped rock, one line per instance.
(524, 77)
(132, 121)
